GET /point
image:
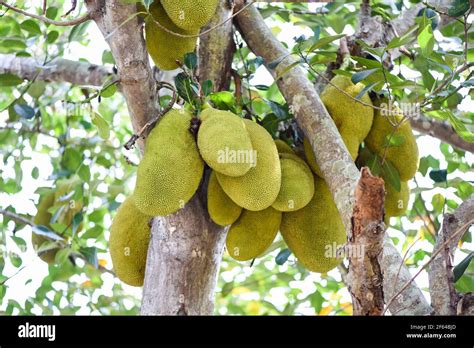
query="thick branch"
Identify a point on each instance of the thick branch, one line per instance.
(442, 131)
(331, 154)
(365, 248)
(443, 295)
(59, 70)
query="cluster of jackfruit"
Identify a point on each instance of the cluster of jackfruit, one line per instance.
(170, 17)
(59, 197)
(358, 123)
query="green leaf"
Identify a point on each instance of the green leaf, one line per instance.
(391, 176)
(190, 60)
(394, 140)
(15, 260)
(426, 41)
(362, 75)
(462, 266)
(402, 40)
(282, 256)
(324, 41)
(62, 255)
(52, 36)
(45, 232)
(11, 45)
(78, 31)
(108, 91)
(458, 8)
(90, 253)
(102, 125)
(31, 27)
(84, 173)
(186, 88)
(207, 87)
(37, 89)
(286, 70)
(10, 80)
(366, 89)
(52, 12)
(426, 163)
(76, 221)
(439, 175)
(107, 57)
(24, 111)
(19, 241)
(71, 159)
(35, 173)
(223, 100)
(460, 128)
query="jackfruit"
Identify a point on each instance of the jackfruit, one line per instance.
(253, 233)
(315, 232)
(222, 210)
(297, 185)
(352, 119)
(129, 238)
(404, 156)
(64, 194)
(396, 203)
(224, 142)
(190, 14)
(164, 47)
(259, 188)
(171, 169)
(283, 147)
(43, 218)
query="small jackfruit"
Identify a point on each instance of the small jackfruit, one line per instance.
(404, 156)
(164, 47)
(297, 185)
(43, 218)
(259, 188)
(171, 169)
(190, 14)
(396, 203)
(224, 142)
(253, 233)
(283, 147)
(129, 239)
(222, 210)
(315, 232)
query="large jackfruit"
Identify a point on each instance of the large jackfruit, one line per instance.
(315, 232)
(259, 188)
(43, 218)
(190, 14)
(404, 156)
(253, 233)
(171, 169)
(224, 142)
(222, 210)
(129, 238)
(164, 47)
(396, 202)
(297, 185)
(352, 119)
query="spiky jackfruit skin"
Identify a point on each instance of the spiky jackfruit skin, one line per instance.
(222, 210)
(396, 202)
(283, 147)
(259, 188)
(297, 186)
(253, 233)
(164, 47)
(129, 238)
(190, 14)
(404, 156)
(43, 218)
(314, 232)
(171, 169)
(224, 142)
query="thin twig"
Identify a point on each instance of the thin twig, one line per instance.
(15, 217)
(47, 20)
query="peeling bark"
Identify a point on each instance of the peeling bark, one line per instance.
(365, 248)
(58, 70)
(444, 297)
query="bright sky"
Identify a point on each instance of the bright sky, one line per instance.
(36, 270)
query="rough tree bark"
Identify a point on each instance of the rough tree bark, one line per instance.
(333, 159)
(444, 297)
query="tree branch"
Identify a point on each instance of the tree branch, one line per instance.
(312, 117)
(47, 20)
(441, 279)
(441, 130)
(59, 70)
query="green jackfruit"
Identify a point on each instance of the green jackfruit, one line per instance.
(164, 47)
(171, 169)
(190, 14)
(224, 142)
(222, 210)
(396, 203)
(404, 156)
(43, 218)
(129, 238)
(315, 232)
(297, 185)
(259, 188)
(283, 147)
(252, 233)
